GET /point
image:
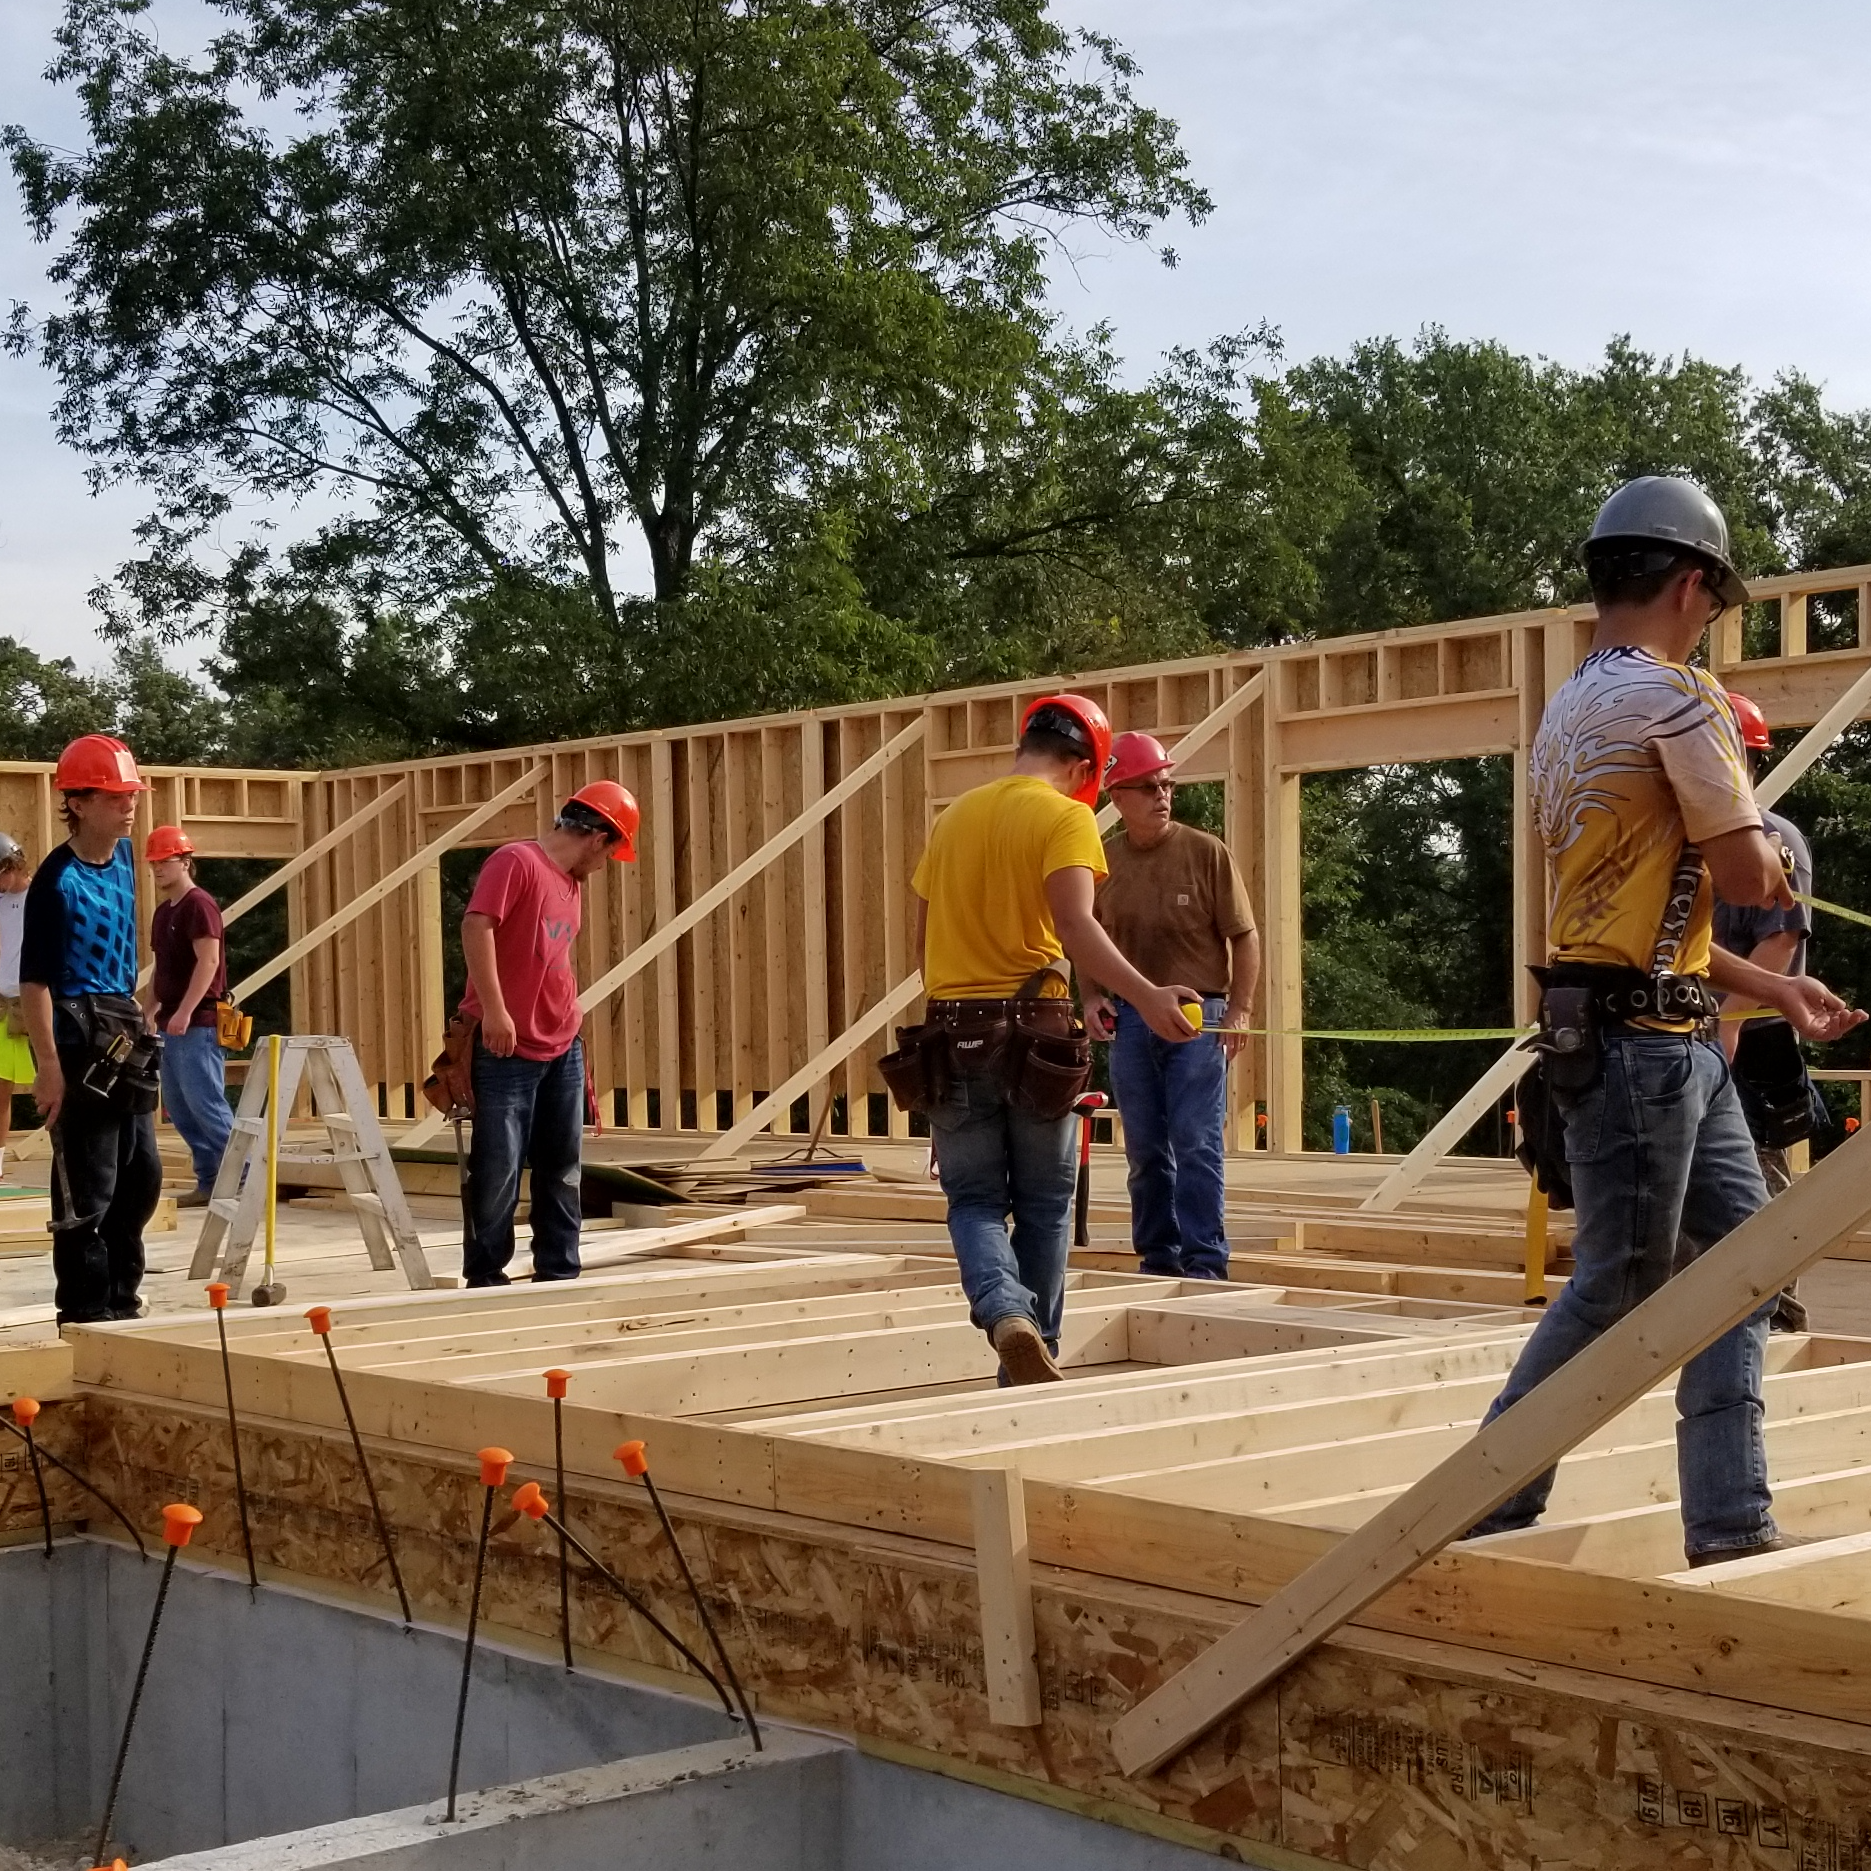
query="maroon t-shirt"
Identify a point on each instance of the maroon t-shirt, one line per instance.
(535, 908)
(172, 933)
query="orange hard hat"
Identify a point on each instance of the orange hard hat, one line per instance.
(96, 763)
(167, 841)
(1136, 756)
(1081, 719)
(1753, 722)
(617, 807)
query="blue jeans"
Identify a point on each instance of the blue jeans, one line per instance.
(1174, 1103)
(194, 1093)
(996, 1160)
(1662, 1164)
(530, 1110)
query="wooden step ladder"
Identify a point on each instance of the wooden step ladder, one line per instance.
(342, 1102)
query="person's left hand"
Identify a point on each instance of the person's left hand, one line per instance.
(1812, 1009)
(176, 1025)
(1234, 1035)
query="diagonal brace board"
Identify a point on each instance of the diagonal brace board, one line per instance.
(815, 1068)
(1714, 1293)
(1815, 741)
(370, 898)
(1455, 1124)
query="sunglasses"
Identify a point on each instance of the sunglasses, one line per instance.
(1146, 786)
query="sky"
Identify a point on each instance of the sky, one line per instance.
(1690, 172)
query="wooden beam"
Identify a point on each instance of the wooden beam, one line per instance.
(1815, 741)
(1456, 1123)
(1219, 717)
(635, 1243)
(1004, 1581)
(368, 899)
(815, 1068)
(749, 868)
(1714, 1293)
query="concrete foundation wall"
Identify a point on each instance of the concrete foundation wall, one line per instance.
(277, 1713)
(274, 1711)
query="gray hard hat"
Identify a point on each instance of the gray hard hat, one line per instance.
(1668, 511)
(10, 852)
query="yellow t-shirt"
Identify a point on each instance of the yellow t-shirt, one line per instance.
(983, 875)
(1633, 756)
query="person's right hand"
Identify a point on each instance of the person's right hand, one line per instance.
(1161, 1011)
(498, 1034)
(1812, 1009)
(1100, 1022)
(48, 1090)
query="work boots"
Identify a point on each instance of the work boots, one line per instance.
(1022, 1352)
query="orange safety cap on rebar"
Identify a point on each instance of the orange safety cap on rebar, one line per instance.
(319, 1318)
(116, 1864)
(24, 1410)
(557, 1382)
(217, 1294)
(634, 1456)
(179, 1520)
(530, 1498)
(494, 1466)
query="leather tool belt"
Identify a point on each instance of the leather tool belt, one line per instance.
(120, 1059)
(1035, 1049)
(1579, 1005)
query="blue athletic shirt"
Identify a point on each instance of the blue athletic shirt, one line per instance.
(80, 935)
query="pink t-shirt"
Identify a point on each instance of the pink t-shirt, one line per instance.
(535, 909)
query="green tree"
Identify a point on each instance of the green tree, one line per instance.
(509, 285)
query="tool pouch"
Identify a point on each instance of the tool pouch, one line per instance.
(15, 1016)
(1571, 1056)
(233, 1030)
(121, 1059)
(1776, 1094)
(1569, 1044)
(1047, 1071)
(918, 1073)
(450, 1084)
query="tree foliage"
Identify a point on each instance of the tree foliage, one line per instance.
(510, 285)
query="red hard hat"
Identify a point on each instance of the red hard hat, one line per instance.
(617, 807)
(1135, 756)
(168, 841)
(1753, 722)
(95, 763)
(1091, 725)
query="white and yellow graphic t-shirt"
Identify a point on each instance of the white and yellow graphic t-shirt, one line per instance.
(1634, 755)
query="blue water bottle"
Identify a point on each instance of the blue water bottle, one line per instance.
(1341, 1130)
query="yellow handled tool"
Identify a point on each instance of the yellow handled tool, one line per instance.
(270, 1292)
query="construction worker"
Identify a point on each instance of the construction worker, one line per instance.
(1006, 895)
(1642, 797)
(1176, 907)
(528, 1065)
(96, 1081)
(16, 1066)
(187, 983)
(1777, 1097)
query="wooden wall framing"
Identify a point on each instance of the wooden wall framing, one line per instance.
(797, 957)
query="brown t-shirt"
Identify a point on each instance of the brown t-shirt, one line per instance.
(1173, 910)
